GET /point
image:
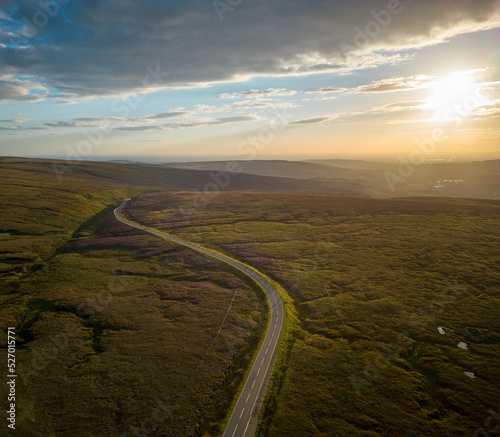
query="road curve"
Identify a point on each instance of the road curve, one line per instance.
(244, 418)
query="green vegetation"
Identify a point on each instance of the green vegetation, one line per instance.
(44, 202)
(372, 282)
(117, 332)
(131, 322)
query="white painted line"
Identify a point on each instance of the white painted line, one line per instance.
(246, 427)
(267, 350)
(253, 383)
(235, 430)
(242, 412)
(258, 371)
(247, 397)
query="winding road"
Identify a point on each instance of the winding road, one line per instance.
(244, 418)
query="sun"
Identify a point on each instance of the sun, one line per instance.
(455, 96)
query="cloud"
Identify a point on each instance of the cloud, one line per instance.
(15, 90)
(314, 120)
(190, 124)
(208, 109)
(100, 120)
(394, 84)
(400, 106)
(242, 105)
(388, 85)
(489, 110)
(22, 128)
(3, 15)
(118, 47)
(355, 61)
(327, 90)
(63, 124)
(109, 121)
(391, 110)
(491, 86)
(261, 105)
(270, 92)
(165, 115)
(14, 120)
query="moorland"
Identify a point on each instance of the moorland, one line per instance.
(396, 298)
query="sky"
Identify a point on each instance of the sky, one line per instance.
(238, 79)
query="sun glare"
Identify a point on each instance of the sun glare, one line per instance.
(456, 96)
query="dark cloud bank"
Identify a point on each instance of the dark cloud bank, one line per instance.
(94, 47)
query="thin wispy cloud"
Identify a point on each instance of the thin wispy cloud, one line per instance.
(313, 120)
(14, 120)
(165, 115)
(22, 128)
(262, 105)
(271, 92)
(388, 85)
(375, 112)
(190, 124)
(487, 111)
(394, 84)
(111, 120)
(401, 106)
(327, 90)
(3, 15)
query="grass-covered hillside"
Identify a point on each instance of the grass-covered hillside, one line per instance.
(116, 331)
(402, 177)
(397, 299)
(43, 202)
(119, 331)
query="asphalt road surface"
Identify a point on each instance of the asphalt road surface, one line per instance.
(244, 418)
